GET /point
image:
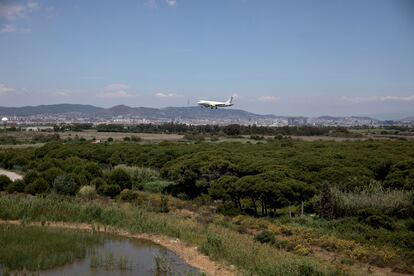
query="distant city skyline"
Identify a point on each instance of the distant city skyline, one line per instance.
(293, 58)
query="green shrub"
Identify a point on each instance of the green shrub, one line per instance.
(121, 178)
(16, 186)
(378, 221)
(39, 186)
(30, 177)
(65, 184)
(363, 214)
(80, 178)
(50, 174)
(141, 177)
(88, 192)
(110, 190)
(312, 205)
(213, 246)
(265, 237)
(98, 182)
(158, 186)
(128, 195)
(4, 182)
(376, 218)
(228, 209)
(93, 170)
(136, 138)
(410, 225)
(302, 250)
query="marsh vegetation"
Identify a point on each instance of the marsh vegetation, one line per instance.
(55, 251)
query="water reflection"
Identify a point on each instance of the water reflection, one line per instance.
(126, 257)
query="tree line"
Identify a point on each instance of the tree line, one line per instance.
(255, 179)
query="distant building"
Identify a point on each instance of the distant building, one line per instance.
(39, 128)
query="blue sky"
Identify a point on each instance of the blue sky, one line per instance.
(282, 57)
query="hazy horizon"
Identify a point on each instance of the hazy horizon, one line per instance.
(374, 116)
(291, 58)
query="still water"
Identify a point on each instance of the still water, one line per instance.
(122, 256)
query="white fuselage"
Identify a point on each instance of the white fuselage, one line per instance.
(214, 104)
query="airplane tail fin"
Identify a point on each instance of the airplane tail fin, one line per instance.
(230, 100)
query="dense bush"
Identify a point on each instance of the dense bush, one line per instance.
(39, 186)
(140, 176)
(265, 237)
(120, 178)
(410, 225)
(110, 190)
(50, 174)
(30, 177)
(256, 179)
(128, 195)
(93, 170)
(159, 186)
(98, 182)
(212, 246)
(4, 182)
(87, 192)
(383, 221)
(16, 186)
(65, 184)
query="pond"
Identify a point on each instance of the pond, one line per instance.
(126, 257)
(111, 255)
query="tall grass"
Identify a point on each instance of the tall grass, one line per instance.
(141, 175)
(34, 248)
(374, 196)
(234, 248)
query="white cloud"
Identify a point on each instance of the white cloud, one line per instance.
(268, 99)
(4, 90)
(166, 95)
(153, 4)
(32, 6)
(60, 93)
(116, 86)
(114, 95)
(171, 3)
(11, 28)
(371, 99)
(115, 91)
(14, 11)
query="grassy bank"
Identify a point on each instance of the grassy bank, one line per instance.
(33, 248)
(219, 243)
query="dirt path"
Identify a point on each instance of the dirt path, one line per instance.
(12, 175)
(189, 254)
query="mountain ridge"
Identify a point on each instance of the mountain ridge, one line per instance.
(166, 113)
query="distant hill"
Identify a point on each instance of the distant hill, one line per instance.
(169, 113)
(49, 109)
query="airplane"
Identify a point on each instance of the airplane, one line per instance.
(214, 104)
